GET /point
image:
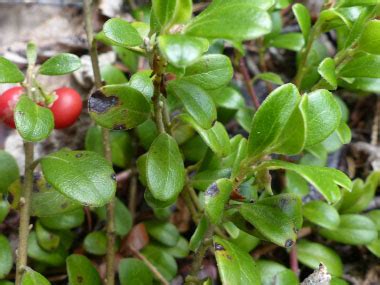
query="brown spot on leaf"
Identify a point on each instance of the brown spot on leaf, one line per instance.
(119, 127)
(80, 279)
(100, 103)
(64, 205)
(218, 246)
(79, 155)
(213, 190)
(289, 243)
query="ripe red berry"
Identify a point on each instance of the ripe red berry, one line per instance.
(8, 101)
(66, 108)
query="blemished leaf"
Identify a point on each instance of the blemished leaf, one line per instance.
(134, 271)
(269, 77)
(92, 179)
(118, 107)
(81, 271)
(142, 82)
(216, 197)
(202, 180)
(31, 277)
(163, 261)
(196, 101)
(277, 218)
(275, 110)
(181, 50)
(112, 75)
(33, 122)
(290, 41)
(322, 114)
(6, 257)
(170, 12)
(321, 214)
(235, 265)
(9, 171)
(325, 180)
(237, 20)
(9, 72)
(52, 258)
(4, 210)
(166, 233)
(327, 70)
(65, 221)
(303, 18)
(164, 168)
(46, 239)
(96, 243)
(60, 64)
(312, 254)
(121, 33)
(353, 229)
(273, 273)
(211, 71)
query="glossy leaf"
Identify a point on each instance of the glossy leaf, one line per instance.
(219, 21)
(163, 261)
(164, 168)
(235, 266)
(273, 273)
(312, 254)
(9, 72)
(65, 221)
(296, 184)
(46, 239)
(121, 33)
(134, 271)
(180, 250)
(321, 214)
(216, 197)
(60, 64)
(96, 243)
(239, 237)
(166, 233)
(142, 82)
(290, 41)
(52, 258)
(303, 18)
(118, 107)
(327, 70)
(181, 50)
(4, 210)
(374, 215)
(31, 277)
(202, 180)
(361, 65)
(228, 98)
(9, 171)
(269, 77)
(112, 75)
(6, 257)
(198, 235)
(33, 122)
(91, 178)
(169, 12)
(353, 229)
(81, 271)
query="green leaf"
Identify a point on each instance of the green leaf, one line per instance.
(121, 33)
(9, 72)
(6, 256)
(338, 281)
(46, 239)
(374, 215)
(4, 210)
(33, 122)
(118, 107)
(180, 50)
(65, 221)
(96, 243)
(276, 110)
(244, 117)
(327, 70)
(164, 168)
(163, 261)
(216, 197)
(361, 65)
(60, 64)
(166, 233)
(196, 101)
(92, 179)
(31, 277)
(350, 3)
(303, 18)
(202, 180)
(81, 271)
(211, 71)
(374, 247)
(296, 184)
(180, 250)
(322, 114)
(242, 239)
(290, 41)
(353, 229)
(142, 82)
(228, 98)
(134, 271)
(112, 75)
(235, 266)
(370, 38)
(170, 12)
(321, 214)
(277, 218)
(53, 258)
(273, 273)
(324, 179)
(199, 233)
(9, 171)
(237, 20)
(312, 254)
(269, 77)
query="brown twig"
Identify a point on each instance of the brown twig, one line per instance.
(293, 259)
(248, 83)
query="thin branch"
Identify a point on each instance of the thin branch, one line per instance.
(293, 259)
(248, 83)
(132, 196)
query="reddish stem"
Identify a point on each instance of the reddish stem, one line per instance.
(248, 84)
(293, 259)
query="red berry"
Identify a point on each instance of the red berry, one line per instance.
(66, 108)
(8, 101)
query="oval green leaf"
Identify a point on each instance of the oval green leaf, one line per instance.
(122, 33)
(81, 271)
(216, 197)
(166, 233)
(9, 171)
(60, 64)
(134, 271)
(31, 277)
(321, 214)
(96, 243)
(6, 257)
(9, 72)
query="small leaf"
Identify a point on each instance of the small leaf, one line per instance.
(31, 277)
(60, 64)
(353, 229)
(92, 179)
(290, 41)
(52, 258)
(33, 122)
(235, 266)
(165, 168)
(181, 50)
(9, 72)
(216, 197)
(166, 233)
(46, 239)
(118, 107)
(180, 250)
(312, 254)
(350, 3)
(296, 184)
(211, 71)
(228, 98)
(112, 75)
(198, 235)
(374, 247)
(81, 271)
(170, 12)
(374, 215)
(327, 70)
(96, 243)
(321, 214)
(202, 180)
(361, 65)
(4, 210)
(164, 262)
(121, 33)
(142, 82)
(269, 77)
(134, 271)
(65, 221)
(303, 18)
(9, 171)
(6, 257)
(273, 273)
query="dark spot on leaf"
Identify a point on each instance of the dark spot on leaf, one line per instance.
(212, 190)
(229, 257)
(218, 246)
(289, 243)
(64, 205)
(79, 155)
(113, 176)
(119, 127)
(295, 230)
(80, 279)
(283, 202)
(48, 185)
(100, 103)
(21, 113)
(213, 123)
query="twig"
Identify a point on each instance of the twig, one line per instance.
(375, 126)
(123, 176)
(152, 268)
(132, 196)
(293, 259)
(157, 104)
(248, 84)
